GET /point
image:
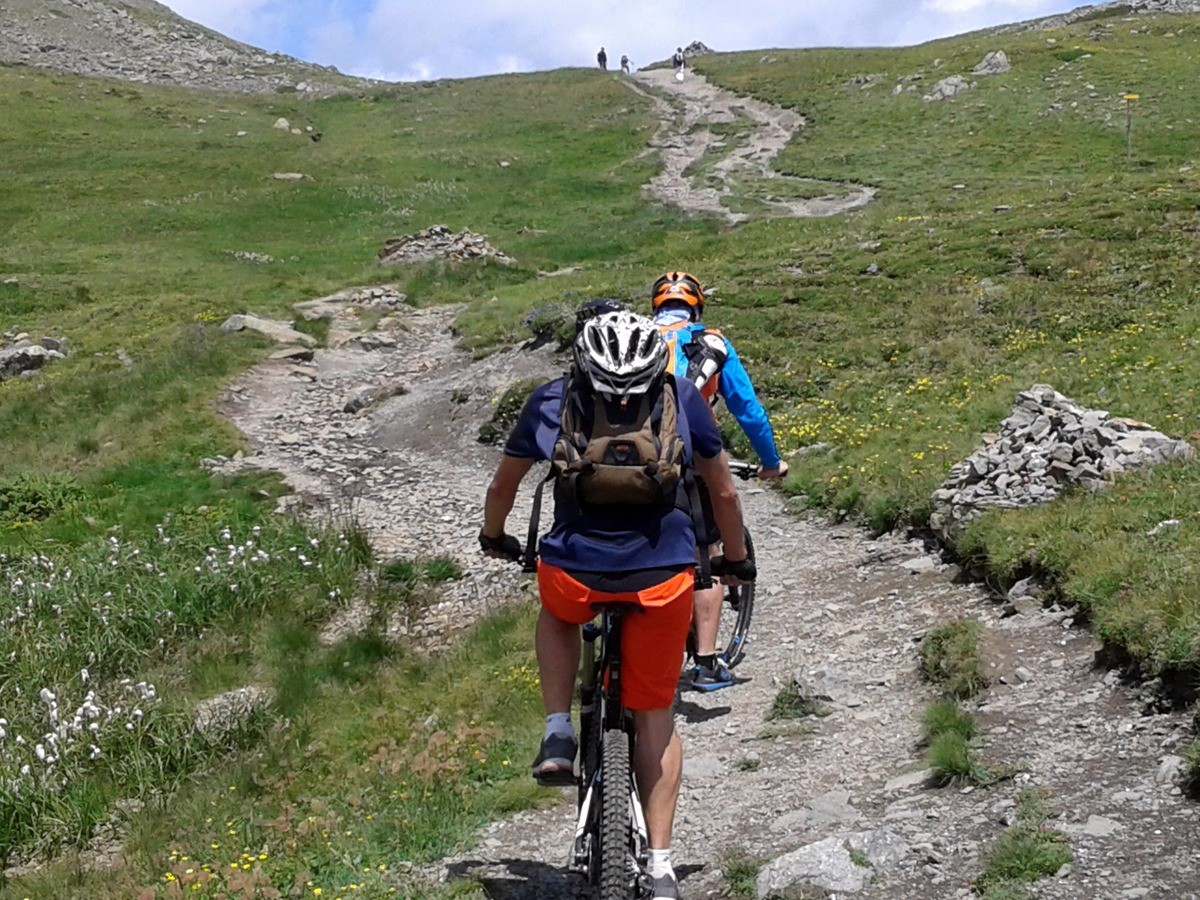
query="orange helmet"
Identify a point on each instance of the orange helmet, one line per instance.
(678, 288)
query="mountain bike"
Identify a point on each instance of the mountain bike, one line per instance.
(737, 609)
(611, 841)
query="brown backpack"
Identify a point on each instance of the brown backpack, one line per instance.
(635, 460)
(625, 451)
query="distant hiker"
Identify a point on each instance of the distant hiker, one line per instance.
(624, 63)
(678, 61)
(602, 59)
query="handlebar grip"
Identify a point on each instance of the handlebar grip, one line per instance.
(743, 470)
(743, 570)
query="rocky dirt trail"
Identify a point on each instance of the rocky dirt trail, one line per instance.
(687, 111)
(844, 610)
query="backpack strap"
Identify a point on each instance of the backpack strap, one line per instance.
(703, 570)
(691, 491)
(529, 560)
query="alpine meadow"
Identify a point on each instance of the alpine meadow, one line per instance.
(1041, 227)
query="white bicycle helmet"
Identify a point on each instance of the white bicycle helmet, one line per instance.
(620, 353)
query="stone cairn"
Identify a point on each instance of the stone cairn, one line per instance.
(439, 242)
(1046, 445)
(22, 357)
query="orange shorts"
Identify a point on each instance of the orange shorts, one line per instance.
(652, 640)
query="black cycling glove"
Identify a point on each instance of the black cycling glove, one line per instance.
(506, 545)
(742, 570)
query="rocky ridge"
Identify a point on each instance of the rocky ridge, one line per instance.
(439, 242)
(1047, 444)
(1098, 10)
(141, 41)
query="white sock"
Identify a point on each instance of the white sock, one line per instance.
(560, 724)
(659, 863)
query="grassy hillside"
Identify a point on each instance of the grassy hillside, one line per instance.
(1016, 242)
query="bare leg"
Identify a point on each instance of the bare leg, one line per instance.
(658, 765)
(557, 645)
(706, 613)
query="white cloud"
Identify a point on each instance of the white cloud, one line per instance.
(420, 40)
(958, 7)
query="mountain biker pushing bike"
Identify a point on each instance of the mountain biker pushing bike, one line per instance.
(705, 357)
(631, 552)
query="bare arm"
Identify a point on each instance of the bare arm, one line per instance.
(502, 492)
(726, 509)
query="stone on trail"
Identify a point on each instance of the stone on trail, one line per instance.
(829, 865)
(282, 332)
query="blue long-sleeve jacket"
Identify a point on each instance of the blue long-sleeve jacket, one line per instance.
(731, 382)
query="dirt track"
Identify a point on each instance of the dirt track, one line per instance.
(687, 110)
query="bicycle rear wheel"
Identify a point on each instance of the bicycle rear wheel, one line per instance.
(618, 858)
(737, 609)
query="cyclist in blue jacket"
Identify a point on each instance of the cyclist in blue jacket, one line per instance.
(705, 357)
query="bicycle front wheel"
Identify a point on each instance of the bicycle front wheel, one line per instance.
(737, 609)
(619, 869)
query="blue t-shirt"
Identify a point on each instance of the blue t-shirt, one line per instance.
(615, 539)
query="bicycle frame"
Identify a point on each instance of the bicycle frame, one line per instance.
(601, 711)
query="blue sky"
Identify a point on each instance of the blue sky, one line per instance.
(406, 40)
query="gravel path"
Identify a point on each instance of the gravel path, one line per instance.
(845, 610)
(687, 110)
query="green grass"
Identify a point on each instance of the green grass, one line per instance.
(412, 572)
(385, 759)
(948, 717)
(96, 706)
(741, 871)
(950, 658)
(789, 705)
(1030, 849)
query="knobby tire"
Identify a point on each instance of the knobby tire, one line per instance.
(740, 601)
(590, 748)
(617, 873)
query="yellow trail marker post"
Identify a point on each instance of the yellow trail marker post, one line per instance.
(1129, 101)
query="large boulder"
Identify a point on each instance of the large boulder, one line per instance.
(993, 63)
(947, 87)
(25, 357)
(845, 863)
